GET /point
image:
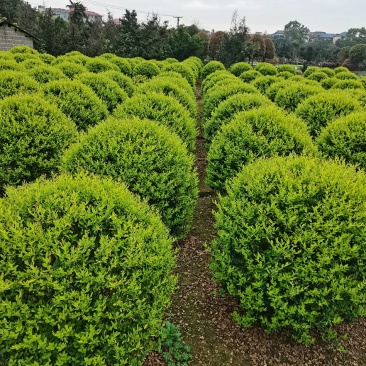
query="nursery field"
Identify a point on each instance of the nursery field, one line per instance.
(174, 213)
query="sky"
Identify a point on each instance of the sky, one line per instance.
(332, 16)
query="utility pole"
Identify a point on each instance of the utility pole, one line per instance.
(177, 20)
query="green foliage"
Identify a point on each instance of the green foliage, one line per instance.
(211, 67)
(163, 110)
(31, 63)
(178, 79)
(328, 83)
(293, 94)
(86, 274)
(9, 64)
(273, 89)
(105, 88)
(239, 67)
(226, 111)
(46, 58)
(45, 74)
(286, 67)
(266, 68)
(318, 76)
(216, 77)
(285, 75)
(328, 71)
(346, 75)
(264, 82)
(169, 87)
(23, 49)
(182, 69)
(348, 84)
(309, 70)
(291, 244)
(16, 82)
(123, 81)
(77, 101)
(152, 161)
(123, 65)
(219, 93)
(345, 138)
(249, 76)
(33, 135)
(341, 69)
(146, 68)
(70, 69)
(99, 65)
(319, 110)
(174, 351)
(266, 132)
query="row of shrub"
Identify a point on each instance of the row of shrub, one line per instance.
(291, 225)
(87, 250)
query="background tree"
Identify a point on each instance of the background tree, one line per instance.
(78, 31)
(357, 56)
(256, 48)
(270, 49)
(214, 43)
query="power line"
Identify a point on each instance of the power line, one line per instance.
(177, 20)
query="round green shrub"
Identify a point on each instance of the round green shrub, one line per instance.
(218, 94)
(107, 55)
(10, 64)
(178, 79)
(15, 82)
(182, 69)
(20, 57)
(6, 55)
(348, 84)
(45, 74)
(32, 63)
(345, 138)
(266, 68)
(171, 60)
(146, 68)
(46, 58)
(70, 69)
(291, 244)
(123, 65)
(266, 131)
(239, 67)
(286, 68)
(340, 69)
(169, 87)
(97, 65)
(359, 95)
(105, 88)
(152, 161)
(285, 75)
(249, 76)
(77, 101)
(193, 67)
(318, 76)
(123, 81)
(273, 89)
(24, 49)
(328, 71)
(93, 274)
(292, 95)
(163, 110)
(328, 83)
(33, 135)
(226, 111)
(216, 77)
(76, 58)
(211, 67)
(264, 82)
(310, 69)
(301, 79)
(318, 110)
(346, 75)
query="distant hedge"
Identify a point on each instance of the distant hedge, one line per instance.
(263, 132)
(291, 245)
(152, 161)
(33, 135)
(86, 274)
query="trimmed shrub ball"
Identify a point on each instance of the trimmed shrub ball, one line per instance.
(15, 82)
(239, 67)
(266, 68)
(348, 84)
(77, 101)
(123, 65)
(86, 274)
(105, 88)
(291, 244)
(216, 77)
(97, 65)
(293, 94)
(318, 76)
(182, 69)
(264, 82)
(33, 135)
(250, 75)
(345, 138)
(319, 110)
(70, 69)
(152, 161)
(284, 75)
(164, 110)
(226, 111)
(286, 68)
(346, 75)
(123, 81)
(10, 64)
(169, 87)
(211, 67)
(45, 74)
(266, 131)
(146, 68)
(328, 83)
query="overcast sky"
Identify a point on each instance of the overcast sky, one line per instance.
(333, 16)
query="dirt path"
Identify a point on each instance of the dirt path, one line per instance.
(204, 316)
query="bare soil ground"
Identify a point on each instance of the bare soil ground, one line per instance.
(204, 316)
